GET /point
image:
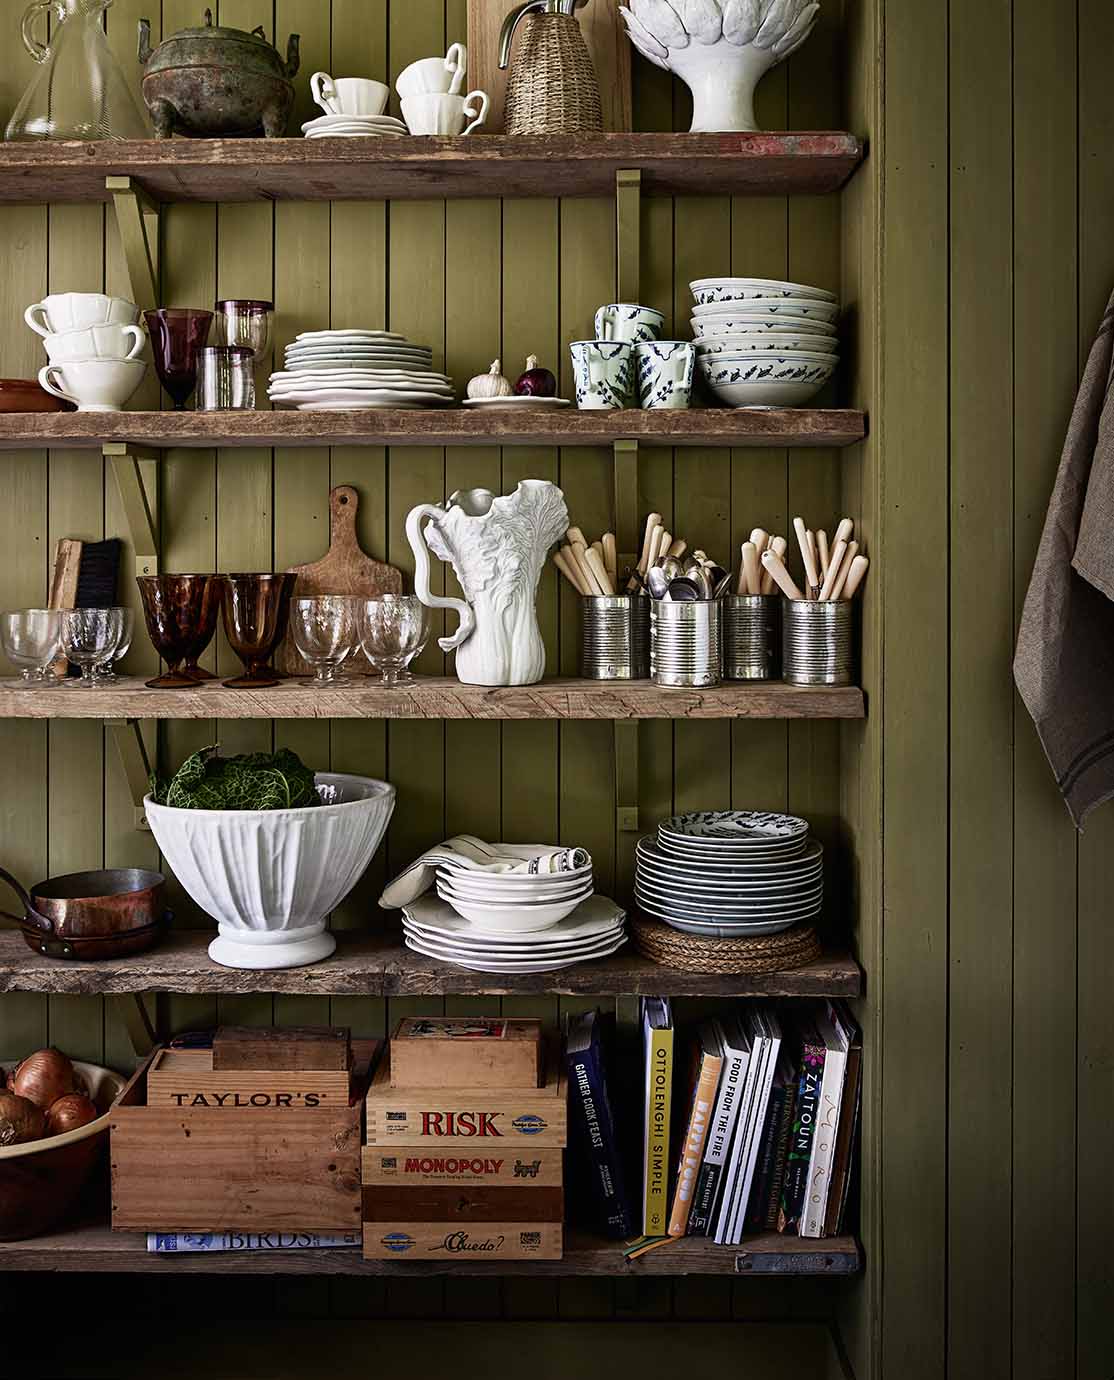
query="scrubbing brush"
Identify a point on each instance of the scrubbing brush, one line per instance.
(85, 577)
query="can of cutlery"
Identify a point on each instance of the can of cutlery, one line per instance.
(615, 637)
(817, 642)
(685, 642)
(751, 636)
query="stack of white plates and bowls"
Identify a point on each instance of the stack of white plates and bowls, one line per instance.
(509, 937)
(761, 342)
(730, 874)
(334, 370)
(354, 126)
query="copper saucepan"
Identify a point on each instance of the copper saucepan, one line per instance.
(99, 914)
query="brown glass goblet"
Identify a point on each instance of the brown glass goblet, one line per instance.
(177, 609)
(255, 609)
(206, 627)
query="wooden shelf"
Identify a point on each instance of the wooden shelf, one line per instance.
(436, 697)
(378, 965)
(483, 165)
(698, 426)
(99, 1250)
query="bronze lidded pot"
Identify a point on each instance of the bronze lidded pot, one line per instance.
(215, 81)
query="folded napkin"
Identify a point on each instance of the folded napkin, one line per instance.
(463, 853)
(1064, 663)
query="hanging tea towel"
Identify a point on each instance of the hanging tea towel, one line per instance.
(467, 854)
(1064, 663)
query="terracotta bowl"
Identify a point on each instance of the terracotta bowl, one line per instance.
(41, 1183)
(25, 395)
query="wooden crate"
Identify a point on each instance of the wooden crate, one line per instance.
(451, 1204)
(186, 1078)
(441, 1243)
(251, 1169)
(432, 1164)
(282, 1047)
(466, 1052)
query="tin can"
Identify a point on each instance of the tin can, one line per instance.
(685, 642)
(615, 637)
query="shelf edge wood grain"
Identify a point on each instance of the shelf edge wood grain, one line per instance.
(101, 1251)
(697, 426)
(763, 164)
(377, 965)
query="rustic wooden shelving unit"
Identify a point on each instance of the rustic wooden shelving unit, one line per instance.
(378, 965)
(437, 697)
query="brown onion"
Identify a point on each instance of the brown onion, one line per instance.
(43, 1077)
(20, 1120)
(68, 1113)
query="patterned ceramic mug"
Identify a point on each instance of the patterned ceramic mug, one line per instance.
(628, 321)
(664, 370)
(603, 371)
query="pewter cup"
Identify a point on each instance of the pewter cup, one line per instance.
(751, 636)
(817, 641)
(685, 642)
(615, 637)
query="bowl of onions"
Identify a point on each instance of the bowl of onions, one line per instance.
(53, 1130)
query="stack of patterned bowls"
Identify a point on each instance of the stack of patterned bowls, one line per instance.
(761, 342)
(730, 874)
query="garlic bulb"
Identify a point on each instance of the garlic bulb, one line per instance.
(490, 385)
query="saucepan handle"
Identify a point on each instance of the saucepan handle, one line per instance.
(31, 915)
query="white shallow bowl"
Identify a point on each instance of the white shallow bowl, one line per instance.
(270, 877)
(493, 965)
(765, 393)
(506, 895)
(769, 323)
(795, 307)
(706, 290)
(728, 358)
(515, 919)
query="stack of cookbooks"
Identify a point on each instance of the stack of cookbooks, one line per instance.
(747, 1124)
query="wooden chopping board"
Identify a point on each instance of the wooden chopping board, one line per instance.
(604, 33)
(344, 569)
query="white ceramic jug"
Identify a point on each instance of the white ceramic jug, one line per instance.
(497, 547)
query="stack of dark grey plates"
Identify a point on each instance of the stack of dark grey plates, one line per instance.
(730, 874)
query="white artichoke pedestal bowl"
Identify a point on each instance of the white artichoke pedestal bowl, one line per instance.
(270, 877)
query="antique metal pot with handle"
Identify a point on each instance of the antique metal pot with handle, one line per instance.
(90, 915)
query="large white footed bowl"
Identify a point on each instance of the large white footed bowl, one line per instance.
(270, 877)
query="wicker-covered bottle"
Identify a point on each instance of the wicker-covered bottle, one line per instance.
(552, 88)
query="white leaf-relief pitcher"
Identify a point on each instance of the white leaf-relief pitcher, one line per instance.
(497, 547)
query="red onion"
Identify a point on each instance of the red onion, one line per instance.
(43, 1077)
(535, 382)
(20, 1120)
(70, 1112)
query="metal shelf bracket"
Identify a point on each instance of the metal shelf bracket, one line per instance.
(628, 231)
(128, 737)
(137, 218)
(128, 465)
(625, 464)
(137, 1022)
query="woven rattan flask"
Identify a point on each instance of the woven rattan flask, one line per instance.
(552, 88)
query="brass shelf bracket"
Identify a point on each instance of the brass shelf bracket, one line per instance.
(625, 463)
(135, 470)
(137, 1022)
(128, 737)
(628, 231)
(137, 218)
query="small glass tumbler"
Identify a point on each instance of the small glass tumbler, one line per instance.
(89, 637)
(225, 381)
(177, 336)
(104, 671)
(393, 631)
(243, 321)
(31, 640)
(325, 634)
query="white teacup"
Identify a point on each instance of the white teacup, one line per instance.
(434, 76)
(95, 385)
(434, 114)
(628, 321)
(96, 342)
(349, 95)
(73, 311)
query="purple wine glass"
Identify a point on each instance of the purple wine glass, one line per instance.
(178, 335)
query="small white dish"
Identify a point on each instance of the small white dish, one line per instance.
(515, 403)
(594, 916)
(332, 335)
(483, 888)
(798, 307)
(496, 966)
(515, 919)
(361, 397)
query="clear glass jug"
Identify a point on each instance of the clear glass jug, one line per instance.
(79, 91)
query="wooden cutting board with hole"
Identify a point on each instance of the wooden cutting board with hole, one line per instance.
(344, 569)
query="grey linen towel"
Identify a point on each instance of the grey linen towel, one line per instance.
(1064, 662)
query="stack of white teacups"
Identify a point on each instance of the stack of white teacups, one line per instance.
(93, 342)
(429, 90)
(761, 342)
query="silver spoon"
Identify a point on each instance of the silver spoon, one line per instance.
(684, 591)
(656, 582)
(671, 567)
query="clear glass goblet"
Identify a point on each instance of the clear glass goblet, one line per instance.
(89, 637)
(31, 639)
(104, 671)
(393, 630)
(324, 631)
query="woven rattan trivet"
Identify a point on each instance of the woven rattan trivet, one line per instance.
(769, 953)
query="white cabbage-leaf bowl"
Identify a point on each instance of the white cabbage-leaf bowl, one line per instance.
(720, 49)
(270, 877)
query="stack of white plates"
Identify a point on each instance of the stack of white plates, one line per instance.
(730, 873)
(330, 370)
(353, 126)
(593, 929)
(761, 342)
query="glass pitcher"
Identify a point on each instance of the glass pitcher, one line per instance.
(79, 91)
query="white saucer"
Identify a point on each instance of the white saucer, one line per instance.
(332, 337)
(497, 966)
(334, 121)
(512, 403)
